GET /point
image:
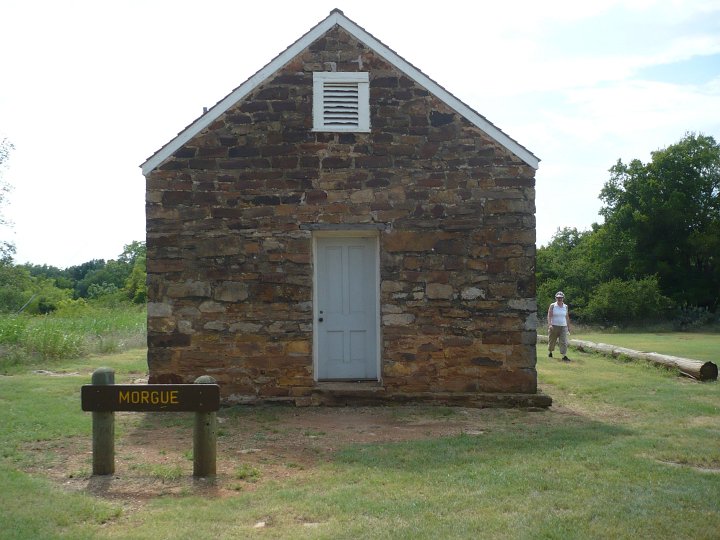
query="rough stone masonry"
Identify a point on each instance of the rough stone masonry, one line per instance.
(230, 254)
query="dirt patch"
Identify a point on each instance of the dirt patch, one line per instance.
(709, 470)
(256, 444)
(56, 373)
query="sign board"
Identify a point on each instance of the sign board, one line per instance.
(151, 397)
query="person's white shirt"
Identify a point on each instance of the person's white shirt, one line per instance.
(558, 314)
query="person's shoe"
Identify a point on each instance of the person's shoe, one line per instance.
(565, 359)
(550, 354)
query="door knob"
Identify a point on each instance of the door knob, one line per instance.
(320, 319)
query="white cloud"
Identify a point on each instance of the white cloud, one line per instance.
(626, 120)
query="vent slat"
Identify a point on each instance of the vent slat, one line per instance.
(341, 104)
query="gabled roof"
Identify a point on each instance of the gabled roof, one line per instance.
(337, 17)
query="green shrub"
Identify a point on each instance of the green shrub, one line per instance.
(690, 317)
(622, 301)
(46, 297)
(96, 290)
(72, 307)
(113, 300)
(45, 306)
(13, 329)
(12, 299)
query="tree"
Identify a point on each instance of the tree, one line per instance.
(559, 267)
(7, 249)
(78, 272)
(574, 262)
(666, 216)
(15, 287)
(112, 273)
(42, 288)
(61, 277)
(131, 252)
(97, 278)
(135, 285)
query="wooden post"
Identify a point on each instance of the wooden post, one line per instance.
(205, 438)
(103, 429)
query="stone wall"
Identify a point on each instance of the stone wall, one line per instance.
(230, 264)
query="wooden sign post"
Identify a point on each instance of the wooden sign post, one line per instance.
(205, 438)
(103, 397)
(103, 425)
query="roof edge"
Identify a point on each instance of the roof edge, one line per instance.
(337, 17)
(436, 89)
(240, 92)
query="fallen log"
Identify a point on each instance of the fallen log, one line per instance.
(702, 371)
(697, 369)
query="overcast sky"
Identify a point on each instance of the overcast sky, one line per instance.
(90, 89)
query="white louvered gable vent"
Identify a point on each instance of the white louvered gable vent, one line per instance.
(341, 101)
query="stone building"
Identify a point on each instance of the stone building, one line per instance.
(342, 228)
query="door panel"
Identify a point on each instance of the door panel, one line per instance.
(346, 312)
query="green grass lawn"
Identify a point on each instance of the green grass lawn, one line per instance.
(698, 346)
(627, 451)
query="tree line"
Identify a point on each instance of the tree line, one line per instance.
(655, 257)
(657, 254)
(41, 289)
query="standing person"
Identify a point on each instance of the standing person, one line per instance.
(558, 319)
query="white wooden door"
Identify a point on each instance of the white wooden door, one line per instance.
(346, 318)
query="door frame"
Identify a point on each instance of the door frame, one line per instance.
(345, 233)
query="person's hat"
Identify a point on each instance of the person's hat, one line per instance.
(559, 294)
